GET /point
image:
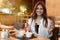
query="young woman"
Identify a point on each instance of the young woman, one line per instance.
(39, 24)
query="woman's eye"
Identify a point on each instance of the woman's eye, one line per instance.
(37, 8)
(41, 8)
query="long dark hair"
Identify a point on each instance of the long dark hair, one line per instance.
(44, 15)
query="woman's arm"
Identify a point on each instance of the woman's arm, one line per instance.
(27, 28)
(52, 26)
(28, 24)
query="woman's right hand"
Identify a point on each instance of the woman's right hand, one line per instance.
(27, 27)
(26, 24)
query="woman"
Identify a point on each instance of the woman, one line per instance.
(39, 24)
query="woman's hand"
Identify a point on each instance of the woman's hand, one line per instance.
(26, 24)
(27, 28)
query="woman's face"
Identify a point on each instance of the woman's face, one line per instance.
(39, 10)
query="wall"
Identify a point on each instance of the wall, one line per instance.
(11, 19)
(7, 19)
(53, 7)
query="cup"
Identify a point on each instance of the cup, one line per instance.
(28, 34)
(20, 33)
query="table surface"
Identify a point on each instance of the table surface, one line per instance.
(13, 38)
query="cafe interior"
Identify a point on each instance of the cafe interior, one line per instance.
(15, 13)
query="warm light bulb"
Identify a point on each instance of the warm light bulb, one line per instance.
(23, 8)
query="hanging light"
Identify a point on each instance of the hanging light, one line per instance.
(23, 8)
(6, 10)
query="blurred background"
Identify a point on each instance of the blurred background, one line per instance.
(18, 11)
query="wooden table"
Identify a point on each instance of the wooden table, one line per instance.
(41, 38)
(13, 38)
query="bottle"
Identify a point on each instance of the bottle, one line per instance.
(7, 33)
(4, 34)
